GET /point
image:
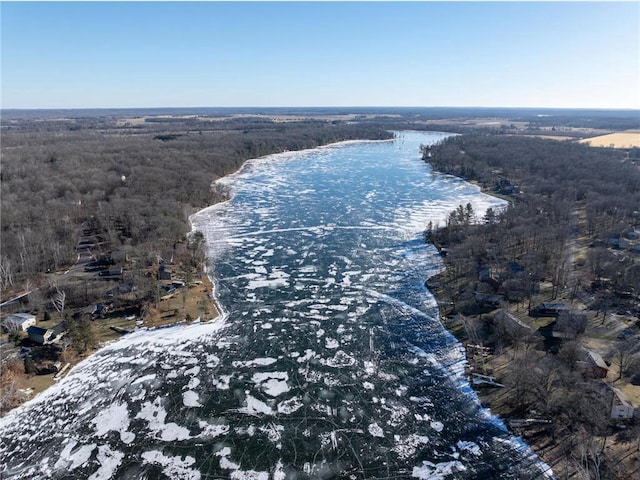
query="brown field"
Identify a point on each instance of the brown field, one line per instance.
(550, 137)
(627, 139)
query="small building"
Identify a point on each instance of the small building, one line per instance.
(548, 309)
(114, 272)
(632, 233)
(45, 336)
(488, 300)
(126, 287)
(95, 310)
(621, 408)
(505, 187)
(164, 272)
(513, 323)
(19, 322)
(484, 274)
(169, 290)
(598, 366)
(90, 309)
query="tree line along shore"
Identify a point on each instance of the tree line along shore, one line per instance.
(95, 232)
(96, 239)
(545, 295)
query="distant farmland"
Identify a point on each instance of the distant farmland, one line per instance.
(627, 139)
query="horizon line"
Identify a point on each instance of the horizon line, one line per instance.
(3, 109)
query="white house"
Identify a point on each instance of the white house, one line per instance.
(19, 321)
(621, 408)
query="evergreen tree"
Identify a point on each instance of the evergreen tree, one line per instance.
(29, 365)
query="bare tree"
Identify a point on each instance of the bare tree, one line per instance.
(625, 356)
(522, 381)
(6, 272)
(472, 327)
(571, 323)
(58, 300)
(571, 353)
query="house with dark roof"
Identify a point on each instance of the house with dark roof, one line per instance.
(111, 273)
(164, 272)
(549, 309)
(45, 336)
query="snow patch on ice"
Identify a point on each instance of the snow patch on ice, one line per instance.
(331, 343)
(376, 430)
(109, 461)
(272, 383)
(437, 426)
(279, 473)
(406, 446)
(190, 399)
(249, 475)
(339, 360)
(144, 379)
(210, 430)
(224, 461)
(155, 415)
(256, 362)
(173, 467)
(114, 417)
(437, 471)
(471, 447)
(289, 406)
(255, 406)
(222, 382)
(74, 459)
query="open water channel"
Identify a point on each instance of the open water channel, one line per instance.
(329, 362)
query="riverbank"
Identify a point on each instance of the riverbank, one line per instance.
(531, 368)
(498, 376)
(194, 302)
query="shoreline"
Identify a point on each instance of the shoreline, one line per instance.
(285, 154)
(435, 286)
(50, 381)
(536, 443)
(292, 153)
(524, 362)
(211, 297)
(537, 439)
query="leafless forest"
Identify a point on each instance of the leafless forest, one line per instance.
(540, 291)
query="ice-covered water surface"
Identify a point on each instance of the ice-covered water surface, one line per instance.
(330, 361)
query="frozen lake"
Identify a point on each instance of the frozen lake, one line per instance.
(330, 360)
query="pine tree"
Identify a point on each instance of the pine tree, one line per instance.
(29, 365)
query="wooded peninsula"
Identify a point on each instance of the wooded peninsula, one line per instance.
(545, 295)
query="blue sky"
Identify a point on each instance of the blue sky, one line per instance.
(148, 54)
